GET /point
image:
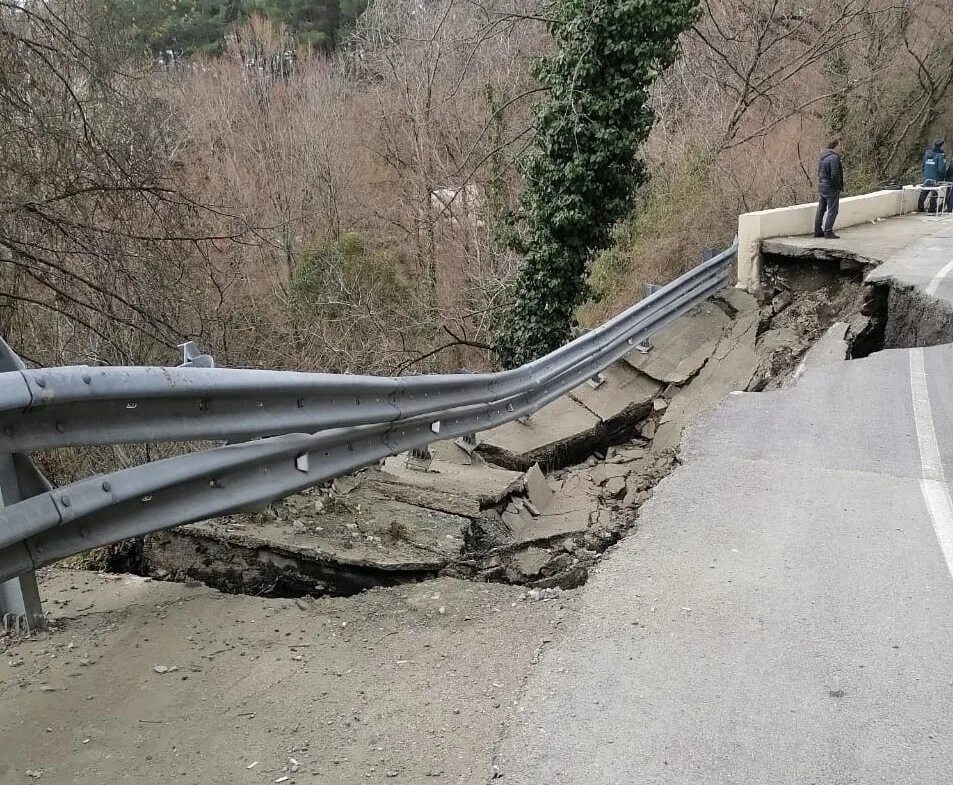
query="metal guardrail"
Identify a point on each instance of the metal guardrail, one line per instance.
(296, 429)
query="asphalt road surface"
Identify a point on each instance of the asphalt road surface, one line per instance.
(784, 614)
(925, 264)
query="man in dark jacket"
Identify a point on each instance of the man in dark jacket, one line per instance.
(830, 184)
(934, 171)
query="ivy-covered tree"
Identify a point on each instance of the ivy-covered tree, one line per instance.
(582, 174)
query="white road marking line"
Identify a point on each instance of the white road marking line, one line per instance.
(938, 279)
(933, 486)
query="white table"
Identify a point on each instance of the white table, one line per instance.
(940, 190)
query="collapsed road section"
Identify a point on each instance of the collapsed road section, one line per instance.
(536, 501)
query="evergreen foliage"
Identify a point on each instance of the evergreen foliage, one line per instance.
(583, 173)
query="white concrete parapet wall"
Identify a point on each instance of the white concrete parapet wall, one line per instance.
(799, 219)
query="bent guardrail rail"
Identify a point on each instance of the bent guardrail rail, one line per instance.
(307, 428)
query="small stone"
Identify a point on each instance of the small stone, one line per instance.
(543, 594)
(15, 663)
(615, 487)
(441, 610)
(660, 404)
(160, 668)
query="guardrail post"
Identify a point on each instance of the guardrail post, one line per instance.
(20, 606)
(420, 459)
(645, 346)
(468, 442)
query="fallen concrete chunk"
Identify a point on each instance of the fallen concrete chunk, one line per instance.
(681, 348)
(449, 486)
(537, 489)
(526, 564)
(623, 399)
(522, 524)
(831, 348)
(555, 435)
(568, 514)
(628, 454)
(615, 487)
(739, 300)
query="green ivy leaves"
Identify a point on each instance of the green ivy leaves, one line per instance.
(582, 175)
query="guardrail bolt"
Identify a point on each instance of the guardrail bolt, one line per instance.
(597, 381)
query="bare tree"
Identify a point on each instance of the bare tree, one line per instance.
(94, 237)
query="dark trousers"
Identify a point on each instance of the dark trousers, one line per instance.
(828, 203)
(921, 201)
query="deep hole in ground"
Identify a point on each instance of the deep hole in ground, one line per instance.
(361, 531)
(816, 295)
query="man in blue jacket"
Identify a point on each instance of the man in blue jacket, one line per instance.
(934, 171)
(830, 184)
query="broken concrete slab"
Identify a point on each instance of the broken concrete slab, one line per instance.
(681, 348)
(449, 486)
(527, 564)
(833, 347)
(568, 514)
(615, 487)
(623, 399)
(360, 537)
(555, 435)
(627, 454)
(730, 368)
(614, 470)
(737, 300)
